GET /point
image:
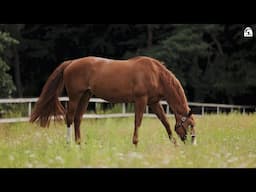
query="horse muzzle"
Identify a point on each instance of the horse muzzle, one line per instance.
(183, 138)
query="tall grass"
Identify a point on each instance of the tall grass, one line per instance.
(223, 141)
(11, 110)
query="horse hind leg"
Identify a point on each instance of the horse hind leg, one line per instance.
(140, 105)
(72, 106)
(81, 109)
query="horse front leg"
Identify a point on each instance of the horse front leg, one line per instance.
(159, 111)
(193, 136)
(140, 105)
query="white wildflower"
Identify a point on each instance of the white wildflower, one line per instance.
(166, 161)
(60, 159)
(135, 155)
(32, 155)
(27, 152)
(11, 157)
(29, 165)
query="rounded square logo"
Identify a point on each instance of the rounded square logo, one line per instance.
(248, 32)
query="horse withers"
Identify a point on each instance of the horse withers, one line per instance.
(140, 80)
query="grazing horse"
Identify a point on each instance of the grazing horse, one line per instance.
(140, 80)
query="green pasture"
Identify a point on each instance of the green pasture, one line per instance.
(223, 141)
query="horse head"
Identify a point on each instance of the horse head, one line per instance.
(184, 124)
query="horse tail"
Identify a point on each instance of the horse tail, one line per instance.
(48, 104)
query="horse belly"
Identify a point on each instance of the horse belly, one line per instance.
(113, 92)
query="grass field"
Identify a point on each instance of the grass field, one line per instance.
(224, 141)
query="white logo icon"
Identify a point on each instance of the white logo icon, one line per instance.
(248, 32)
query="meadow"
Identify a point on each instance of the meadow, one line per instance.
(223, 141)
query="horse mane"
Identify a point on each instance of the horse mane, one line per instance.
(174, 88)
(138, 57)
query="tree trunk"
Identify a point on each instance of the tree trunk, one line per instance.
(219, 47)
(150, 35)
(14, 30)
(17, 72)
(230, 99)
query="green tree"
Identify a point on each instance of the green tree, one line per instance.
(181, 51)
(6, 83)
(12, 53)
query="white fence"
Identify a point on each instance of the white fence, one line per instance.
(203, 108)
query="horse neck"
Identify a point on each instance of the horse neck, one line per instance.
(175, 95)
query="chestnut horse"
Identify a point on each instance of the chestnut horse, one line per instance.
(141, 80)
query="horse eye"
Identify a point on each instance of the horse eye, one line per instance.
(183, 119)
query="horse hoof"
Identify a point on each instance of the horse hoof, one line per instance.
(176, 145)
(135, 142)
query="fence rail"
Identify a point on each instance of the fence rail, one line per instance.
(202, 106)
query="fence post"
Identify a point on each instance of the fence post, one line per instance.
(123, 108)
(218, 110)
(167, 109)
(147, 109)
(202, 110)
(29, 109)
(243, 110)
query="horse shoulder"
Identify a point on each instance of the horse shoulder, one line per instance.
(146, 77)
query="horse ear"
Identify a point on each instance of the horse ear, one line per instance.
(190, 113)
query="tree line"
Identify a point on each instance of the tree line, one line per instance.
(214, 62)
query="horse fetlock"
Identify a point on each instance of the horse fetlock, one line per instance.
(174, 142)
(135, 141)
(78, 142)
(69, 134)
(172, 139)
(193, 140)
